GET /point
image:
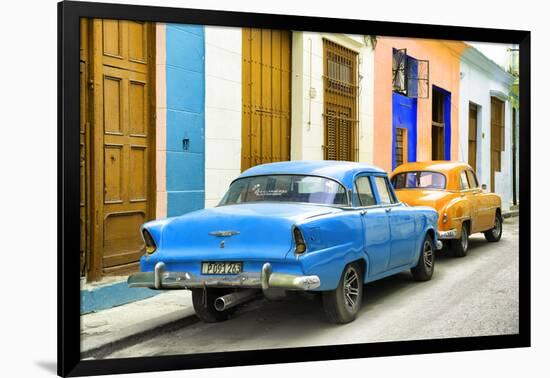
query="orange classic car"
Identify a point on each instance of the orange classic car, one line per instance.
(452, 189)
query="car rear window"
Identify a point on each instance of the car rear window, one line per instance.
(286, 188)
(419, 180)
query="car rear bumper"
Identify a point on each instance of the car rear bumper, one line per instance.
(159, 279)
(450, 234)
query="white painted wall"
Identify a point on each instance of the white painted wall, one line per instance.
(223, 106)
(481, 79)
(307, 134)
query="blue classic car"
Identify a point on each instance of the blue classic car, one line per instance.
(322, 226)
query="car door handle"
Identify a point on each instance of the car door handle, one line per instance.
(388, 209)
(363, 212)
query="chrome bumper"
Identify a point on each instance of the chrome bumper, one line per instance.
(451, 234)
(159, 279)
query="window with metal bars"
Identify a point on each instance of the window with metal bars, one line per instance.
(410, 76)
(340, 102)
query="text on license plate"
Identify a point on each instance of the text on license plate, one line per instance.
(221, 267)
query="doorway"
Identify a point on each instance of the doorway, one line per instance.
(117, 143)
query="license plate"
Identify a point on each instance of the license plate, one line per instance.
(222, 267)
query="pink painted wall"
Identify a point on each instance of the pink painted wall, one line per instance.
(444, 57)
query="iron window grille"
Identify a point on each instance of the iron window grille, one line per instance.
(341, 95)
(410, 76)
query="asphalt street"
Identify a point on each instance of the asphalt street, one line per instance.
(472, 296)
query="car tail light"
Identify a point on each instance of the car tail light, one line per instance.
(299, 241)
(150, 246)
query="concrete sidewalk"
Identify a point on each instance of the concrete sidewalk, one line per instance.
(104, 330)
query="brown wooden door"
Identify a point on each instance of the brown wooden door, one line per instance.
(472, 136)
(340, 102)
(266, 96)
(497, 136)
(123, 144)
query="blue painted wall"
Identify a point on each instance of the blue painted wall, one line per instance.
(185, 91)
(447, 120)
(404, 115)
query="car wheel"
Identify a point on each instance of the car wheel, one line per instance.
(342, 305)
(459, 247)
(495, 233)
(204, 307)
(424, 269)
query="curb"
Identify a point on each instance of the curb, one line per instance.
(105, 332)
(510, 214)
(132, 338)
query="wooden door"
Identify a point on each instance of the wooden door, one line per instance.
(497, 136)
(340, 102)
(123, 142)
(266, 96)
(472, 136)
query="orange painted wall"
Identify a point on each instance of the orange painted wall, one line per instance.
(444, 57)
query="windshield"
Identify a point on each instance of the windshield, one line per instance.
(419, 180)
(286, 188)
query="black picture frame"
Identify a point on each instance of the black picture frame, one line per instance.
(69, 362)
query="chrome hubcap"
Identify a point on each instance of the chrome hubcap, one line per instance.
(496, 229)
(351, 288)
(428, 255)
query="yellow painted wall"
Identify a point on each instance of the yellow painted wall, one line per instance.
(444, 57)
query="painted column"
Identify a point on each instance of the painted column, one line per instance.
(223, 106)
(185, 89)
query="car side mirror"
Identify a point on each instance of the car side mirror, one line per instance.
(483, 186)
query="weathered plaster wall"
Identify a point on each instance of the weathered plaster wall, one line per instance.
(444, 60)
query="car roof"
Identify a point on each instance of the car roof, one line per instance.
(343, 171)
(443, 166)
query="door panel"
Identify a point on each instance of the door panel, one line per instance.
(266, 97)
(122, 142)
(376, 229)
(403, 236)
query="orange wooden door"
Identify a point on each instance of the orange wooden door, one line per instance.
(266, 96)
(123, 144)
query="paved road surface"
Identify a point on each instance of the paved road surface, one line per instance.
(471, 296)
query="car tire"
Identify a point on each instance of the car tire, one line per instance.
(205, 309)
(342, 305)
(459, 247)
(424, 269)
(495, 233)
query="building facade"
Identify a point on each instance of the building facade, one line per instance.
(276, 95)
(171, 114)
(417, 97)
(486, 119)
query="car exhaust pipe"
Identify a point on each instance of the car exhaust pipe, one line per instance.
(233, 299)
